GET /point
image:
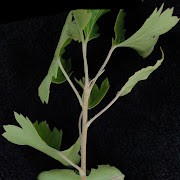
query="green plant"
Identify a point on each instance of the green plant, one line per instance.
(81, 26)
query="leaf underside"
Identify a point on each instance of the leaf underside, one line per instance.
(38, 139)
(104, 172)
(144, 40)
(140, 75)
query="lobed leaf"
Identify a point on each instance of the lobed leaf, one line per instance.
(140, 75)
(144, 40)
(92, 28)
(96, 94)
(38, 139)
(104, 172)
(52, 138)
(119, 28)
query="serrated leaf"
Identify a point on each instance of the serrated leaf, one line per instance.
(144, 40)
(104, 172)
(92, 28)
(54, 72)
(28, 135)
(119, 28)
(140, 75)
(52, 138)
(96, 94)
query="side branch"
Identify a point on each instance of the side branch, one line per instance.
(101, 70)
(103, 110)
(71, 163)
(70, 82)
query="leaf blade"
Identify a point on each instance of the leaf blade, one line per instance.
(140, 75)
(119, 28)
(144, 40)
(27, 135)
(92, 28)
(97, 94)
(52, 75)
(51, 138)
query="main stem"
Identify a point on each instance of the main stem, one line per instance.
(85, 113)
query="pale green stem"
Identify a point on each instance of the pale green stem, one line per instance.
(103, 110)
(85, 111)
(70, 82)
(102, 67)
(71, 163)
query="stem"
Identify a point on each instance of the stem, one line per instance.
(102, 67)
(80, 123)
(71, 163)
(121, 176)
(85, 112)
(103, 110)
(70, 82)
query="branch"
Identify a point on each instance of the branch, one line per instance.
(70, 82)
(80, 123)
(101, 70)
(71, 163)
(103, 110)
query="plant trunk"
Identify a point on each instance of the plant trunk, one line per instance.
(84, 130)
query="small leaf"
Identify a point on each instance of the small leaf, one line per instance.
(119, 28)
(98, 94)
(104, 172)
(28, 135)
(92, 28)
(80, 82)
(142, 74)
(144, 40)
(51, 138)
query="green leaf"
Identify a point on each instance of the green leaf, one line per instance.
(144, 40)
(54, 73)
(74, 32)
(28, 135)
(53, 139)
(82, 17)
(92, 28)
(98, 94)
(119, 28)
(60, 76)
(142, 74)
(104, 172)
(80, 82)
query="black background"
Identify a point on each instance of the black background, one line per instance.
(139, 134)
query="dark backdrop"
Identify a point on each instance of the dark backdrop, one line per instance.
(139, 134)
